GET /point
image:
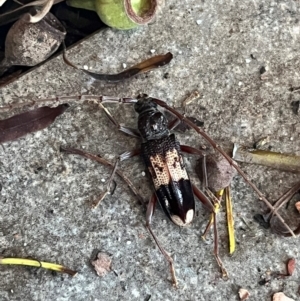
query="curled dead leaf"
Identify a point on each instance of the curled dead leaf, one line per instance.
(102, 264)
(145, 66)
(281, 297)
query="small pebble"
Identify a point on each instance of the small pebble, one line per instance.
(281, 297)
(152, 50)
(297, 205)
(85, 67)
(243, 294)
(199, 22)
(124, 65)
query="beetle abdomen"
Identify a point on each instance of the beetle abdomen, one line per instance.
(171, 181)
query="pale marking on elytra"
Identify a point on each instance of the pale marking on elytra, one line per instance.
(168, 168)
(188, 218)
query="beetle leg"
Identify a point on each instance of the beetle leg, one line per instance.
(216, 248)
(173, 124)
(216, 200)
(204, 199)
(149, 214)
(122, 157)
(127, 130)
(192, 150)
(105, 162)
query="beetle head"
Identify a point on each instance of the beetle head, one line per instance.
(152, 123)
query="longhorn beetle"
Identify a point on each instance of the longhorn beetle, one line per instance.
(162, 155)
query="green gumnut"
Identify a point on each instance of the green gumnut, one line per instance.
(113, 12)
(85, 4)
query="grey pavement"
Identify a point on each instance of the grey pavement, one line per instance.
(219, 48)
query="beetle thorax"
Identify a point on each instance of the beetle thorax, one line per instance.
(152, 124)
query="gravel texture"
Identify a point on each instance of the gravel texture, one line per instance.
(220, 48)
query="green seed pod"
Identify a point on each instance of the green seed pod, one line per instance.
(120, 14)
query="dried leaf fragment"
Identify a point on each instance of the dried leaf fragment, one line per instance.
(230, 221)
(39, 264)
(297, 205)
(219, 172)
(281, 297)
(145, 66)
(29, 122)
(286, 162)
(102, 264)
(243, 294)
(291, 264)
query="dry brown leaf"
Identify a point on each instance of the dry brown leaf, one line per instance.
(219, 172)
(102, 264)
(28, 122)
(243, 294)
(145, 66)
(281, 297)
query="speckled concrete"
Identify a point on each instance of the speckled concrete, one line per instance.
(219, 48)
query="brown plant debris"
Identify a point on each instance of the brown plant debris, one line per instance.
(38, 264)
(102, 264)
(29, 122)
(243, 294)
(219, 172)
(145, 66)
(281, 297)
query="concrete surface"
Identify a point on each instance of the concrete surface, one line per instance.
(219, 48)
